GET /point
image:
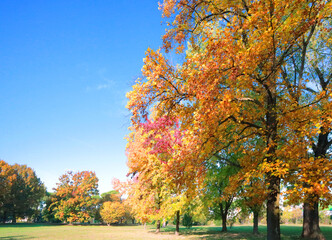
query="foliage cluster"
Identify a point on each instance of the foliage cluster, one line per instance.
(74, 199)
(20, 192)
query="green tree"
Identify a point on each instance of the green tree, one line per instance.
(218, 193)
(187, 220)
(48, 213)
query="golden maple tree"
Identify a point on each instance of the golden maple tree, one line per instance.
(230, 87)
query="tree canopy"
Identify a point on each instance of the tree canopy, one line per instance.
(242, 84)
(74, 199)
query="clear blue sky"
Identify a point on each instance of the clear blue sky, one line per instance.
(65, 67)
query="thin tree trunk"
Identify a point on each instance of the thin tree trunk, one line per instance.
(14, 218)
(311, 229)
(177, 228)
(158, 226)
(4, 217)
(255, 227)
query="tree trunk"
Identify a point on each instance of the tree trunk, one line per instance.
(158, 226)
(4, 217)
(311, 229)
(255, 228)
(14, 218)
(273, 212)
(224, 223)
(177, 228)
(223, 218)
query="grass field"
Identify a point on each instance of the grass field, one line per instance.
(44, 231)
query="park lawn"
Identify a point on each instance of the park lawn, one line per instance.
(44, 231)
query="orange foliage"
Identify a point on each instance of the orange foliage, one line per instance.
(234, 89)
(112, 212)
(74, 196)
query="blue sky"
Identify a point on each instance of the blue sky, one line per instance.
(65, 67)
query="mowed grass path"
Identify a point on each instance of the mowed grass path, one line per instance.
(43, 231)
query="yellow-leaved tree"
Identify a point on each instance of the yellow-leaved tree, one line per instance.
(112, 212)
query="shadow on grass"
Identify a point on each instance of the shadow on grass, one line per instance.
(239, 232)
(16, 237)
(210, 233)
(20, 225)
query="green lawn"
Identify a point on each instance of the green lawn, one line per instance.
(44, 231)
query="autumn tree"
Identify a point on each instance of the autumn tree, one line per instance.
(156, 154)
(74, 199)
(312, 173)
(232, 77)
(144, 190)
(253, 192)
(6, 179)
(112, 212)
(318, 188)
(22, 191)
(252, 198)
(112, 196)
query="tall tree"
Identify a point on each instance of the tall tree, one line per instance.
(232, 77)
(321, 141)
(156, 154)
(312, 173)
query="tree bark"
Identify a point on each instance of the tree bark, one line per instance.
(311, 229)
(4, 217)
(223, 217)
(14, 217)
(273, 212)
(255, 227)
(158, 226)
(273, 181)
(177, 228)
(224, 223)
